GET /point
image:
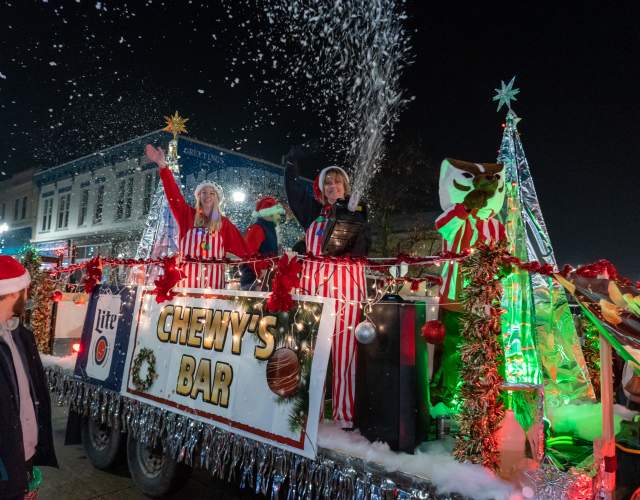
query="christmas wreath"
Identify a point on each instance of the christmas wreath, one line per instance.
(147, 355)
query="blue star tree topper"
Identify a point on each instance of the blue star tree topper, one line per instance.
(505, 94)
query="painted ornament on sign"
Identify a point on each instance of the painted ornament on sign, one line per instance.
(283, 372)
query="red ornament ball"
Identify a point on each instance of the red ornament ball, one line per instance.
(56, 296)
(433, 332)
(283, 372)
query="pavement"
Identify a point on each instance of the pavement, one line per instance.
(77, 479)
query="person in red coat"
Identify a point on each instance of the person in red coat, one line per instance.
(205, 233)
(262, 240)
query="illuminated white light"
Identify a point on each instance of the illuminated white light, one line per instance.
(4, 227)
(238, 196)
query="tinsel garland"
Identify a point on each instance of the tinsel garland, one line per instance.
(259, 467)
(601, 267)
(267, 470)
(481, 354)
(591, 351)
(40, 292)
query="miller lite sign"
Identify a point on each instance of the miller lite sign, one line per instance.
(105, 337)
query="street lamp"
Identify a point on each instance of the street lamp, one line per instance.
(4, 227)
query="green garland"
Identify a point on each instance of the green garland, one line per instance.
(481, 357)
(147, 355)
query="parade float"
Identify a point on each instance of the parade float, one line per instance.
(482, 388)
(474, 377)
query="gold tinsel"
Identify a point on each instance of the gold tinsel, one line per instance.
(591, 350)
(40, 291)
(481, 355)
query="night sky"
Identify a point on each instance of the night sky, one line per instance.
(77, 76)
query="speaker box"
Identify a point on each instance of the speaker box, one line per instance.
(386, 389)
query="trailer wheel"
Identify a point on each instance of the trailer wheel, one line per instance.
(153, 472)
(102, 444)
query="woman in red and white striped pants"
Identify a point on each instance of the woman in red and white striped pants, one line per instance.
(205, 233)
(343, 281)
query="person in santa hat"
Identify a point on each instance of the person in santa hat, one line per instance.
(343, 281)
(205, 233)
(25, 408)
(262, 240)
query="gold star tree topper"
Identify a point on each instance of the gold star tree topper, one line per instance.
(176, 124)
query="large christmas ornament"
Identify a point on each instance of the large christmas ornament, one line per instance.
(56, 296)
(283, 372)
(433, 332)
(365, 332)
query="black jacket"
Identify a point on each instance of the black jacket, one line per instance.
(307, 209)
(13, 480)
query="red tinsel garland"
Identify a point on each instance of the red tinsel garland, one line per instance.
(286, 278)
(602, 267)
(481, 354)
(172, 275)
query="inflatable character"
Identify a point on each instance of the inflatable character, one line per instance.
(471, 196)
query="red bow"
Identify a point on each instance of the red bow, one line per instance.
(171, 276)
(286, 278)
(93, 274)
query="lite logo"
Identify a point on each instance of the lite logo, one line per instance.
(103, 336)
(105, 320)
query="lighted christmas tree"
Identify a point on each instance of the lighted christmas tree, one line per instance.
(539, 334)
(160, 236)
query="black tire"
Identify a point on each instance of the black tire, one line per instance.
(153, 472)
(102, 444)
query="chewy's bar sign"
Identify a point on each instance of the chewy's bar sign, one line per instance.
(220, 357)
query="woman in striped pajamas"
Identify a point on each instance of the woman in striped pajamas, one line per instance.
(344, 282)
(204, 232)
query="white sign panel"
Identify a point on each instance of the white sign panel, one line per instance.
(103, 336)
(222, 358)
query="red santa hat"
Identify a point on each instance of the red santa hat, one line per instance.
(318, 183)
(216, 188)
(266, 206)
(13, 276)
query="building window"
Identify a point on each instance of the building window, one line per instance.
(120, 205)
(24, 207)
(47, 214)
(16, 209)
(125, 199)
(97, 215)
(63, 211)
(150, 183)
(129, 200)
(84, 206)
